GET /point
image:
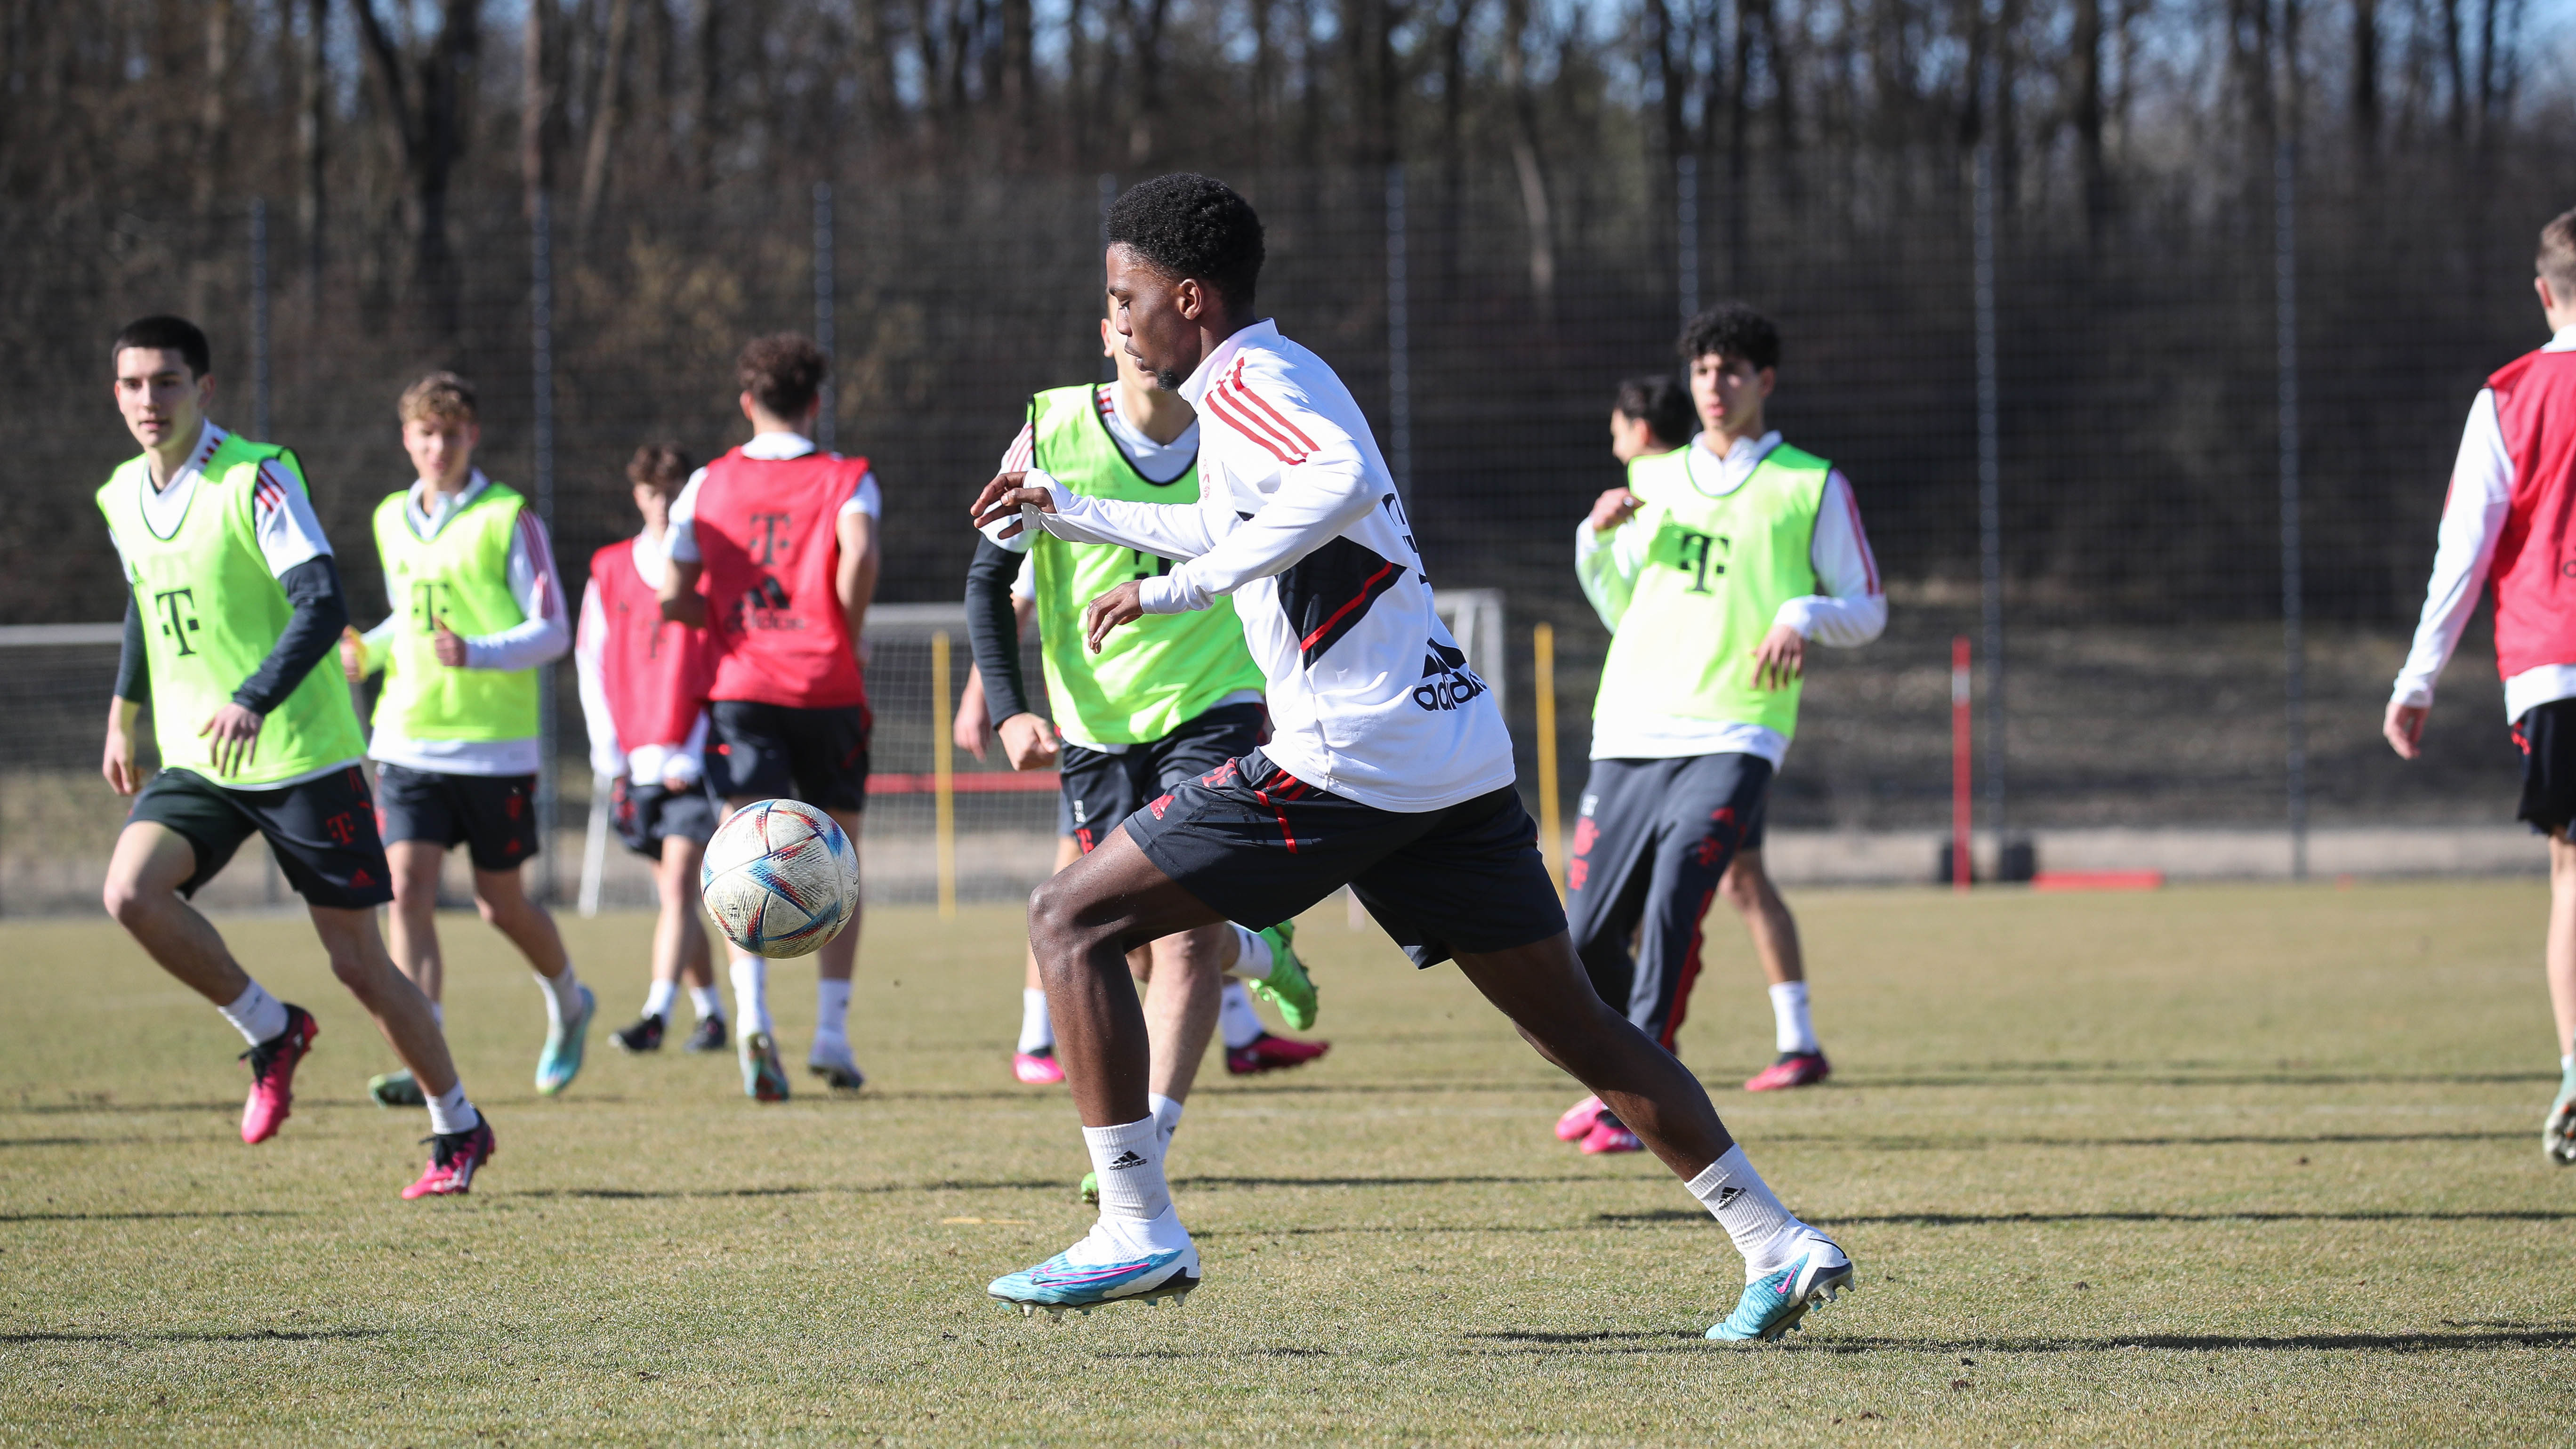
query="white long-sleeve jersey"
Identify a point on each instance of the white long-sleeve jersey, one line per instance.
(1370, 697)
(1850, 609)
(2473, 521)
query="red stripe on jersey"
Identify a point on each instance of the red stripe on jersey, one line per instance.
(1860, 536)
(1245, 389)
(268, 494)
(1244, 403)
(1366, 593)
(1226, 414)
(1017, 457)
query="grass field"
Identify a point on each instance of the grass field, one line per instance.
(2226, 1165)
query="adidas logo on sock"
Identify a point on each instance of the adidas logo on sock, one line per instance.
(1727, 1195)
(1126, 1160)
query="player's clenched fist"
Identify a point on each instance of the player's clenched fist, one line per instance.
(1121, 605)
(1613, 508)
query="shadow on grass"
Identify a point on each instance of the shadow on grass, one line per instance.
(1963, 1144)
(2008, 1074)
(1632, 1341)
(50, 1142)
(60, 1109)
(1959, 1220)
(248, 1335)
(703, 1194)
(140, 1216)
(1458, 1180)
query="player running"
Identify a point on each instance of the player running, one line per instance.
(477, 607)
(1250, 1047)
(234, 599)
(784, 537)
(1171, 699)
(1712, 569)
(2508, 523)
(644, 691)
(1390, 771)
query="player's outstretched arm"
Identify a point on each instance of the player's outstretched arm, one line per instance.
(1170, 530)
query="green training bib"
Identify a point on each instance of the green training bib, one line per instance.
(1164, 669)
(1717, 571)
(460, 575)
(212, 612)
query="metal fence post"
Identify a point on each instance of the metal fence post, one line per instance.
(1990, 527)
(826, 431)
(541, 342)
(1108, 197)
(2294, 650)
(1686, 233)
(1399, 341)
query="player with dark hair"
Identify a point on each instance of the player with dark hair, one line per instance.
(773, 550)
(2509, 522)
(1712, 569)
(644, 692)
(1652, 415)
(476, 606)
(1389, 770)
(234, 600)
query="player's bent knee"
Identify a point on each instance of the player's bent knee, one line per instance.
(127, 899)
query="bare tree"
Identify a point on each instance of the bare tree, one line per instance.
(604, 119)
(423, 106)
(1536, 211)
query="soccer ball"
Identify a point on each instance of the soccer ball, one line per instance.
(781, 878)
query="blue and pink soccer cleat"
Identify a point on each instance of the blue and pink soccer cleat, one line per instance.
(1775, 1302)
(1107, 1266)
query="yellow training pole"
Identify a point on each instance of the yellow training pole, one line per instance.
(1543, 678)
(943, 776)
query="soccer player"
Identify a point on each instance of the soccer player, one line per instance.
(1651, 416)
(644, 691)
(1390, 771)
(1712, 569)
(234, 600)
(1171, 699)
(476, 608)
(2507, 523)
(784, 537)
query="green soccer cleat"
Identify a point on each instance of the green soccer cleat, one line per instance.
(1288, 987)
(1775, 1302)
(2558, 1133)
(396, 1089)
(560, 1062)
(1091, 1189)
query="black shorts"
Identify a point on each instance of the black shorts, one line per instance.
(776, 751)
(2547, 735)
(1258, 845)
(493, 816)
(1102, 789)
(322, 831)
(649, 814)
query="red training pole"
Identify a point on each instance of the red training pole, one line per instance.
(1962, 752)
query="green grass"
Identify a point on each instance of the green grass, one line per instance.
(2227, 1165)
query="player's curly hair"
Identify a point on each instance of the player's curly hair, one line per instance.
(1188, 225)
(664, 465)
(441, 397)
(1663, 403)
(1731, 329)
(783, 372)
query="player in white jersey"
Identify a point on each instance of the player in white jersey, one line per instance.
(1390, 771)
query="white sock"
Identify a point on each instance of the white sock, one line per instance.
(1166, 1114)
(257, 1015)
(1763, 1230)
(1791, 1030)
(707, 1002)
(660, 1000)
(831, 1011)
(1235, 1018)
(563, 995)
(1252, 963)
(751, 993)
(450, 1112)
(1129, 1160)
(1037, 1029)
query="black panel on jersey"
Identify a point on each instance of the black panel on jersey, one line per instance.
(1327, 593)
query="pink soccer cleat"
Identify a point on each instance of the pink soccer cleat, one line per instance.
(1609, 1134)
(454, 1158)
(1794, 1069)
(272, 1075)
(1038, 1068)
(1577, 1122)
(1267, 1053)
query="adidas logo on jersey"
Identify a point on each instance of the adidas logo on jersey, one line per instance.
(1447, 682)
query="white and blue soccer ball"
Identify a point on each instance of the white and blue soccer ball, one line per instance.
(781, 878)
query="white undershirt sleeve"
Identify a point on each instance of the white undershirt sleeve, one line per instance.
(289, 533)
(588, 643)
(1849, 607)
(680, 534)
(1605, 564)
(545, 633)
(2473, 519)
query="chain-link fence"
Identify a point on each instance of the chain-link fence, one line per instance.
(2136, 392)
